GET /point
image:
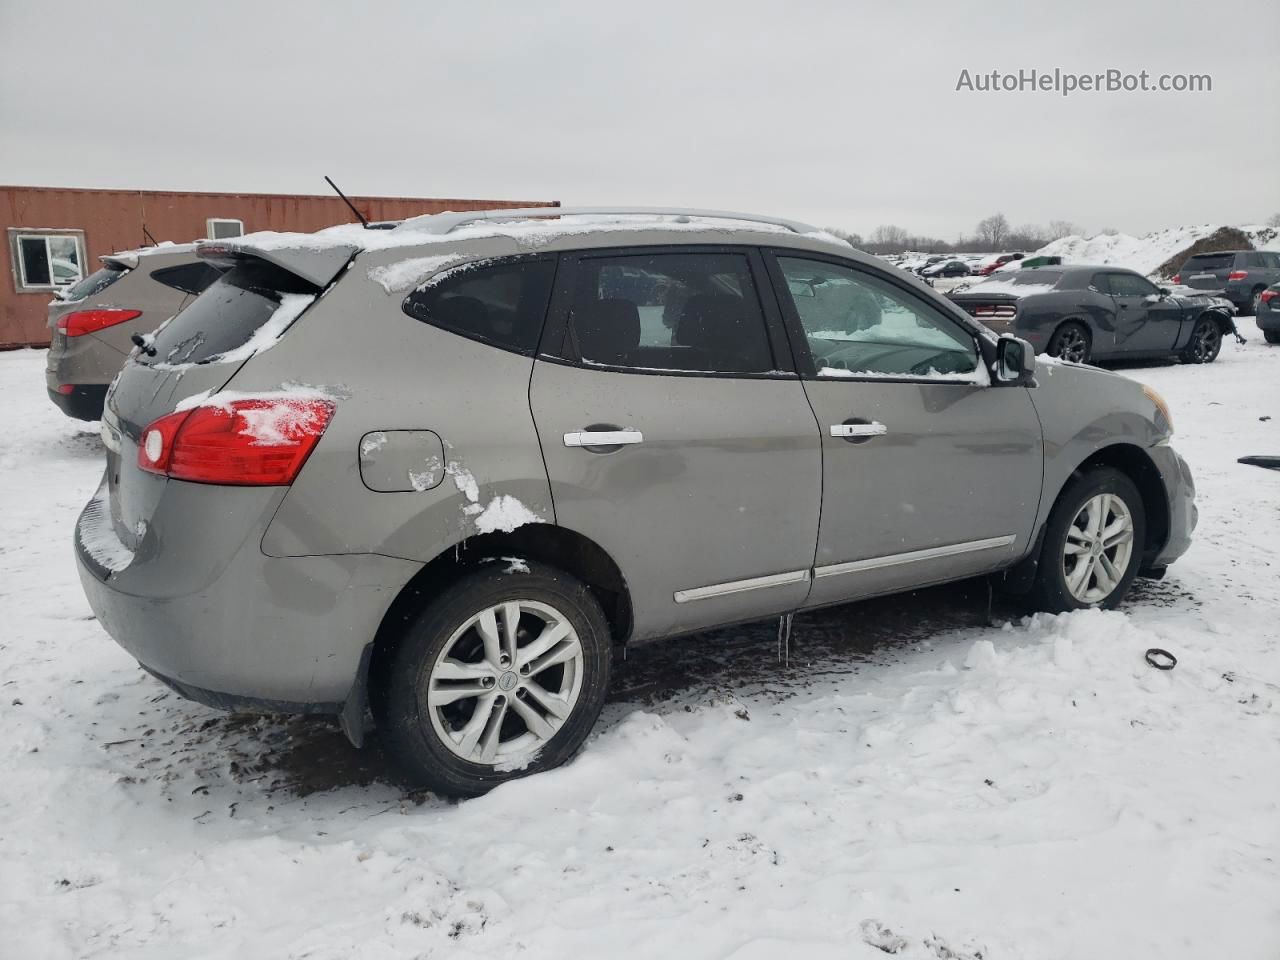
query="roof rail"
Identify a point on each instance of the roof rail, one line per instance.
(448, 222)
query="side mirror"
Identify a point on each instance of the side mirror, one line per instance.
(1015, 362)
(1165, 291)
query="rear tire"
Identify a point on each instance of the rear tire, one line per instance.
(1073, 573)
(1071, 342)
(1206, 342)
(462, 709)
(1272, 336)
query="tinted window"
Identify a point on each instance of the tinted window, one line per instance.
(501, 302)
(856, 323)
(1208, 262)
(230, 312)
(696, 312)
(187, 277)
(1129, 285)
(95, 282)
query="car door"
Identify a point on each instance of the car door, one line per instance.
(1146, 322)
(929, 472)
(677, 435)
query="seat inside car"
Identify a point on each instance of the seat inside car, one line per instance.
(718, 329)
(608, 331)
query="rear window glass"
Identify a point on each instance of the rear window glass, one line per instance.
(187, 277)
(226, 317)
(501, 302)
(94, 283)
(1211, 261)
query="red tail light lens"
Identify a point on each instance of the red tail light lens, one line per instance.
(1003, 311)
(246, 443)
(1177, 278)
(91, 321)
(1269, 295)
(1237, 274)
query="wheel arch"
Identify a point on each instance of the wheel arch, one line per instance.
(1133, 462)
(551, 544)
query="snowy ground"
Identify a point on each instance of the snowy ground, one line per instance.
(914, 778)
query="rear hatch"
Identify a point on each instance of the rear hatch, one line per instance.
(195, 354)
(69, 299)
(1207, 271)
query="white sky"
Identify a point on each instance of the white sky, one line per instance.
(844, 114)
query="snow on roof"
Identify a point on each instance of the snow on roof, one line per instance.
(131, 257)
(1008, 287)
(533, 232)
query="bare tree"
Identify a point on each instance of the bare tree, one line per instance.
(1063, 228)
(853, 239)
(1110, 232)
(890, 236)
(1274, 221)
(994, 230)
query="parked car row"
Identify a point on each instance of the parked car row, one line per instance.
(522, 446)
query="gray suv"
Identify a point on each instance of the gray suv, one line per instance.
(93, 322)
(445, 471)
(1241, 275)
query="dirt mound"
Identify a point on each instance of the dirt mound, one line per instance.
(1227, 238)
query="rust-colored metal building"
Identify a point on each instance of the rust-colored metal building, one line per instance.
(55, 235)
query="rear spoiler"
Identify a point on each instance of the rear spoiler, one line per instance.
(299, 254)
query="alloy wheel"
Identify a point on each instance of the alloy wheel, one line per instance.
(1205, 341)
(1098, 549)
(1073, 345)
(505, 682)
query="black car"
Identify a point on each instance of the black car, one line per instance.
(1238, 275)
(1267, 315)
(1083, 313)
(945, 268)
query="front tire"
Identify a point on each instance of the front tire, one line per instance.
(1206, 342)
(1071, 342)
(501, 677)
(1093, 543)
(1272, 336)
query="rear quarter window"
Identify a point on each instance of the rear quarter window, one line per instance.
(252, 302)
(502, 302)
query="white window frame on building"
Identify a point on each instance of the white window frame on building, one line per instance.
(211, 228)
(21, 282)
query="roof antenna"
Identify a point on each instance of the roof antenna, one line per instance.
(359, 216)
(146, 235)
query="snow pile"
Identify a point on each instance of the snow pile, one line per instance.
(98, 535)
(1008, 288)
(1145, 254)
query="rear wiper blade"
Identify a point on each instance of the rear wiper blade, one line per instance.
(141, 343)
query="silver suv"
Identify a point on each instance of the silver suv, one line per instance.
(92, 324)
(445, 471)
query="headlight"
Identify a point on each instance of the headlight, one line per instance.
(1161, 406)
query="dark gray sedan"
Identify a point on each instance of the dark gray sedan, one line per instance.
(1083, 313)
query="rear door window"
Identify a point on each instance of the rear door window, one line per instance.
(192, 278)
(502, 302)
(245, 310)
(688, 312)
(1130, 285)
(95, 282)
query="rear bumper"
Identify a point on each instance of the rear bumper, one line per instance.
(1180, 491)
(199, 605)
(84, 402)
(1268, 320)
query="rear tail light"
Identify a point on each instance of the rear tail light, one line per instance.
(66, 389)
(248, 443)
(80, 322)
(1269, 295)
(1001, 311)
(1237, 274)
(1177, 278)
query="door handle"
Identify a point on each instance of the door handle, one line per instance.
(848, 431)
(602, 438)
